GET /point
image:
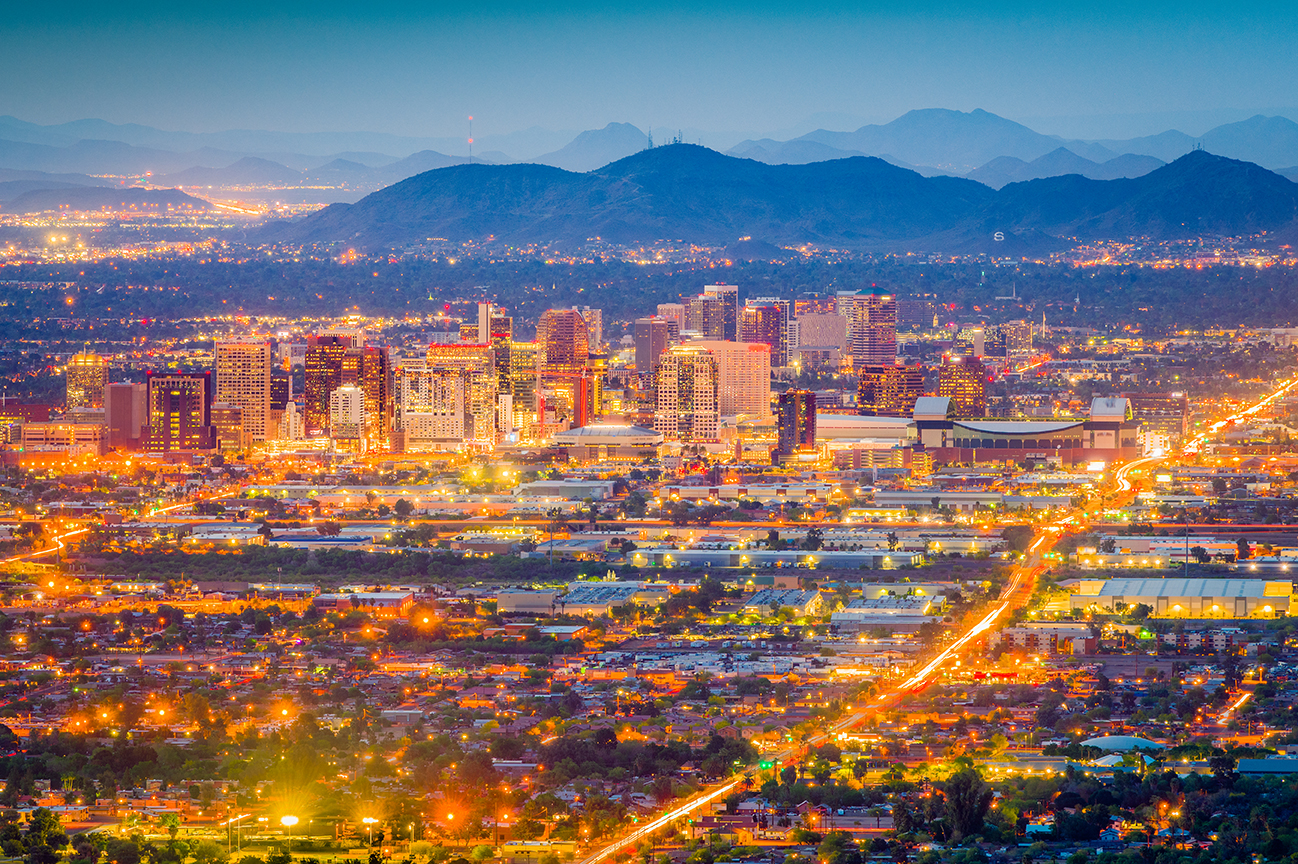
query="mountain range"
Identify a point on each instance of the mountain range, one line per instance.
(976, 145)
(954, 142)
(691, 194)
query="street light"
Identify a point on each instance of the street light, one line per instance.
(369, 825)
(288, 822)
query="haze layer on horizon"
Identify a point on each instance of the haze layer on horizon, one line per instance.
(755, 69)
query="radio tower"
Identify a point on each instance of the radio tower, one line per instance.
(470, 139)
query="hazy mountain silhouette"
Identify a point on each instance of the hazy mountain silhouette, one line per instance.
(595, 148)
(696, 195)
(951, 140)
(796, 152)
(98, 198)
(248, 171)
(1004, 170)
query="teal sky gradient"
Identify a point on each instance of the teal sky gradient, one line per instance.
(751, 68)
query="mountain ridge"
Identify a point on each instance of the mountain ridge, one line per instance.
(692, 194)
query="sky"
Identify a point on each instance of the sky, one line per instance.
(729, 69)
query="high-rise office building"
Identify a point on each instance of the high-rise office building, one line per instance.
(323, 375)
(651, 340)
(874, 328)
(433, 410)
(594, 319)
(369, 369)
(687, 395)
(227, 423)
(970, 341)
(502, 340)
(964, 381)
(479, 363)
(526, 399)
(564, 342)
(281, 389)
(817, 330)
(917, 315)
(126, 415)
(675, 316)
(743, 377)
(887, 390)
(729, 296)
(767, 324)
(87, 376)
(706, 317)
(347, 414)
(180, 412)
(243, 376)
(1017, 335)
(795, 422)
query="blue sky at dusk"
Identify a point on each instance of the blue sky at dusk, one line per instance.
(747, 69)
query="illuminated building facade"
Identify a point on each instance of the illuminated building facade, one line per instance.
(729, 297)
(370, 370)
(963, 380)
(874, 328)
(651, 339)
(243, 378)
(479, 364)
(433, 409)
(796, 422)
(227, 423)
(323, 375)
(767, 324)
(564, 343)
(743, 377)
(687, 388)
(888, 390)
(87, 377)
(180, 413)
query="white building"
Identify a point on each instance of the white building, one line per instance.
(743, 377)
(243, 379)
(346, 412)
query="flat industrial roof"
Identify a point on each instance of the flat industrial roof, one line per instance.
(1184, 588)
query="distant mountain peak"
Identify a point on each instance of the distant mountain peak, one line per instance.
(596, 148)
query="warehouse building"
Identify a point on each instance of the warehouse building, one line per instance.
(1187, 598)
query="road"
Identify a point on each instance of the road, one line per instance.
(1016, 594)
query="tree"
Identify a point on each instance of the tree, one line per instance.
(207, 852)
(171, 821)
(1245, 551)
(1018, 537)
(838, 848)
(679, 513)
(968, 797)
(1200, 554)
(403, 508)
(814, 539)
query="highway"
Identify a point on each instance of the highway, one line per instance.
(1016, 594)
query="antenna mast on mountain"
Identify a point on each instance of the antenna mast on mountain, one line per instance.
(470, 139)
